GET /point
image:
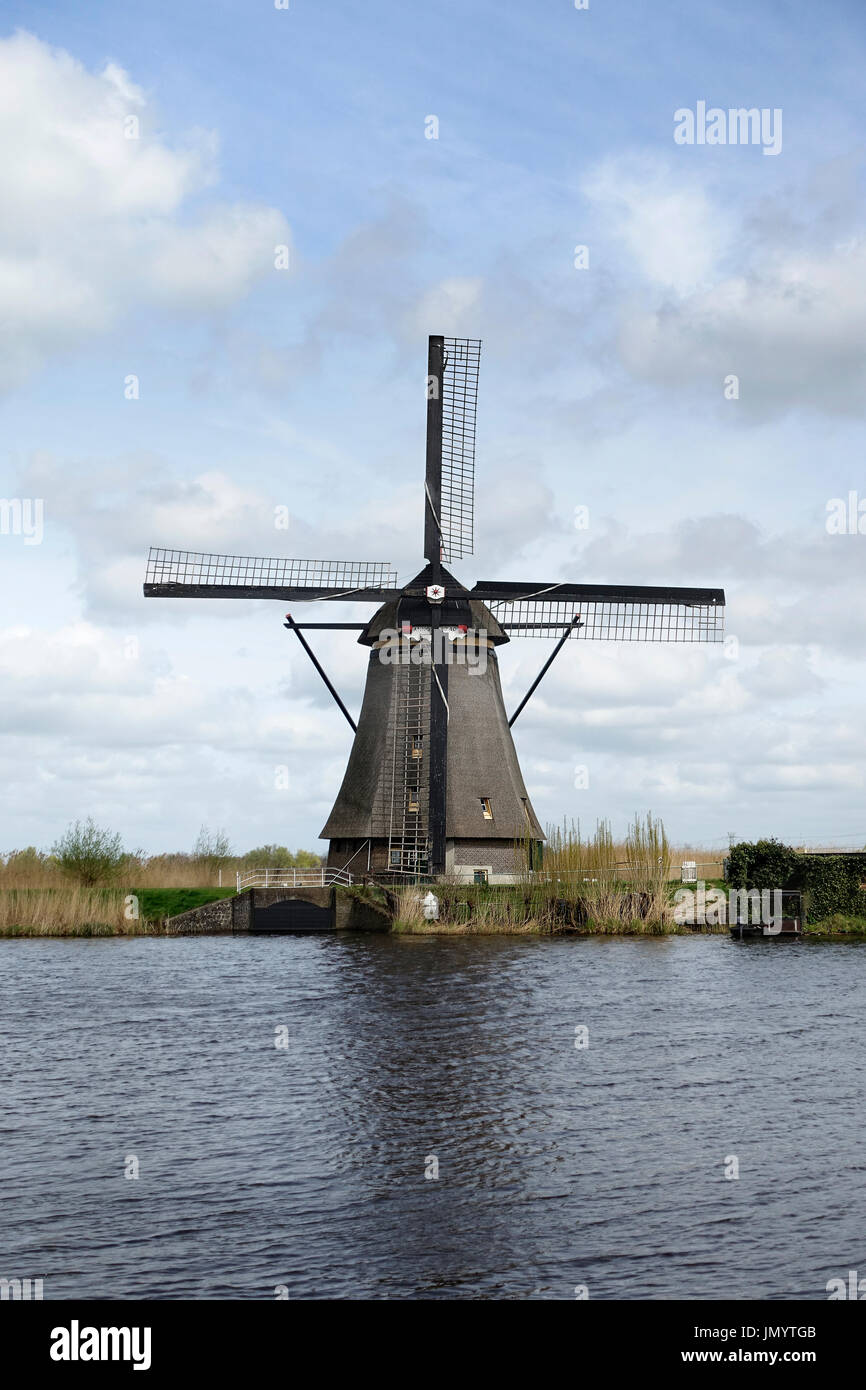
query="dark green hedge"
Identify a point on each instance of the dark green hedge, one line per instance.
(764, 864)
(830, 882)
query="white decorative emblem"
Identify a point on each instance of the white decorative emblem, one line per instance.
(435, 593)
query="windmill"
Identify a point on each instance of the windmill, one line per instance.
(433, 784)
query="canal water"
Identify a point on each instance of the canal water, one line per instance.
(288, 1102)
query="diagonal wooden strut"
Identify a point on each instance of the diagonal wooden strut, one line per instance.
(575, 622)
(293, 627)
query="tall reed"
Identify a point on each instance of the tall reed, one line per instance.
(598, 882)
(70, 911)
(409, 913)
(648, 862)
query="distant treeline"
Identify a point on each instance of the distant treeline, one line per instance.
(92, 855)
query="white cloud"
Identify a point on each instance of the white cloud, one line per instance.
(136, 738)
(756, 292)
(672, 231)
(452, 304)
(93, 222)
(791, 330)
(114, 510)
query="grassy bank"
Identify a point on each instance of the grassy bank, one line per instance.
(464, 911)
(505, 912)
(512, 911)
(78, 911)
(157, 904)
(837, 926)
(547, 909)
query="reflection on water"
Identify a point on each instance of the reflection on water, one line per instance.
(304, 1165)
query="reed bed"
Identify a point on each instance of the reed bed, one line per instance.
(590, 884)
(596, 883)
(408, 910)
(69, 911)
(710, 863)
(462, 912)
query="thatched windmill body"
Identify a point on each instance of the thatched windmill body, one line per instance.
(433, 784)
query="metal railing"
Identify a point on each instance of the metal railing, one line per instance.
(291, 878)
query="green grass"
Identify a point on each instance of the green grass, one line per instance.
(837, 925)
(156, 904)
(73, 911)
(718, 883)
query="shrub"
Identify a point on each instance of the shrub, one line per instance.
(89, 853)
(831, 883)
(764, 864)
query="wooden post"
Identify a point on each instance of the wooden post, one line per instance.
(438, 768)
(438, 771)
(433, 472)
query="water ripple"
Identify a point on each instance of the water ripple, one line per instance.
(305, 1165)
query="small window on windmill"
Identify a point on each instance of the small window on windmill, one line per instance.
(417, 745)
(486, 809)
(479, 875)
(689, 872)
(394, 858)
(412, 804)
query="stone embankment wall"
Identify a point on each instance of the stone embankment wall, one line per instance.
(358, 914)
(350, 913)
(208, 919)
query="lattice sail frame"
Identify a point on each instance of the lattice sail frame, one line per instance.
(612, 621)
(192, 567)
(459, 405)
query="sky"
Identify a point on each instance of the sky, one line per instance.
(694, 379)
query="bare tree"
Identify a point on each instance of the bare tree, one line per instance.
(212, 847)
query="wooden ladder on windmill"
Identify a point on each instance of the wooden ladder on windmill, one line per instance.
(408, 831)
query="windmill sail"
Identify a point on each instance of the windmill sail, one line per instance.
(459, 402)
(190, 574)
(608, 612)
